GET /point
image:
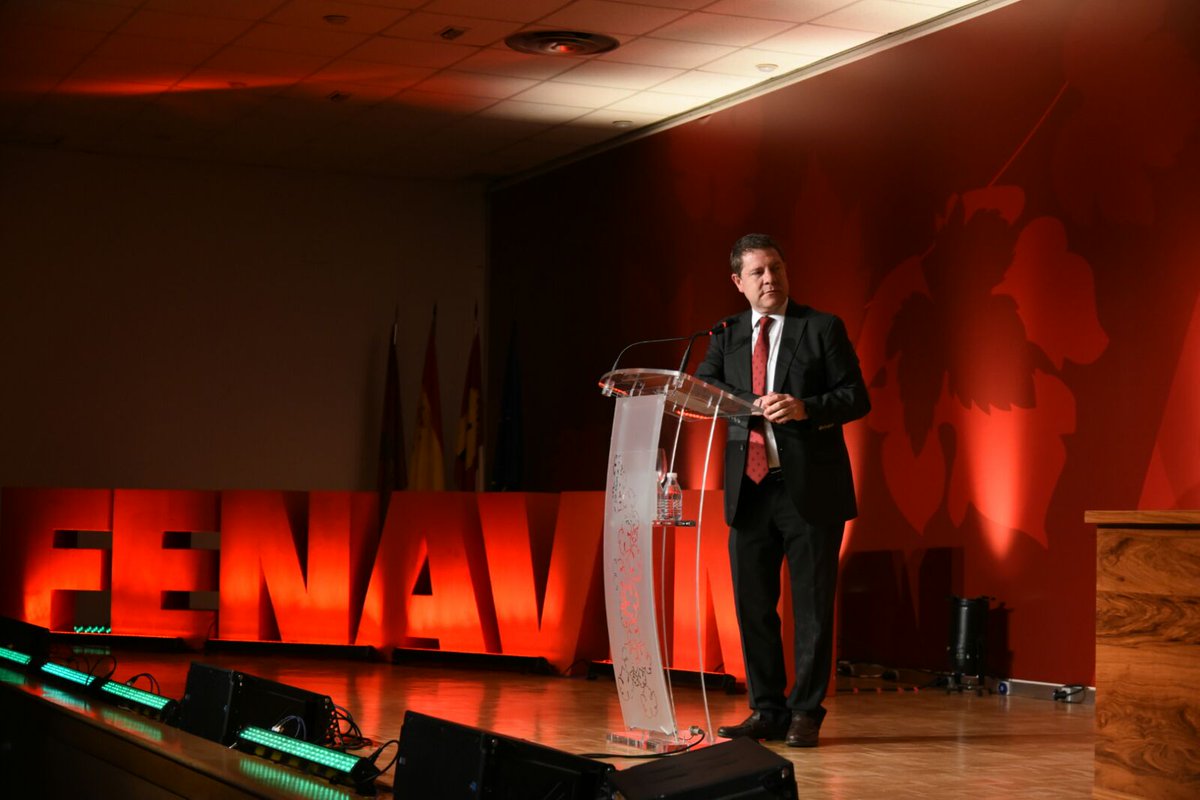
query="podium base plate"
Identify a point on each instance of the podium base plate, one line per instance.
(651, 741)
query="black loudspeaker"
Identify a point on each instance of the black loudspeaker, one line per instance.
(739, 768)
(448, 761)
(207, 698)
(968, 635)
(217, 703)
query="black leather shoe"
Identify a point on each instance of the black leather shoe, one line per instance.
(759, 725)
(804, 730)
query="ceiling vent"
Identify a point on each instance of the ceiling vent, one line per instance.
(561, 43)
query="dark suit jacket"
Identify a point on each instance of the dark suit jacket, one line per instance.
(817, 364)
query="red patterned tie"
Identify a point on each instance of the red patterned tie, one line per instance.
(756, 452)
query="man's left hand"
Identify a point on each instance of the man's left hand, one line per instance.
(781, 407)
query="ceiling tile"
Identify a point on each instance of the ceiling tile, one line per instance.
(266, 62)
(816, 40)
(722, 29)
(541, 112)
(666, 53)
(603, 16)
(350, 93)
(167, 51)
(453, 103)
(573, 94)
(788, 10)
(879, 16)
(184, 27)
(943, 3)
(100, 71)
(410, 4)
(48, 43)
(514, 10)
(208, 78)
(372, 73)
(470, 83)
(426, 27)
(620, 76)
(708, 85)
(359, 18)
(411, 53)
(500, 61)
(109, 101)
(250, 81)
(23, 81)
(293, 39)
(61, 14)
(746, 61)
(228, 9)
(600, 124)
(655, 103)
(689, 5)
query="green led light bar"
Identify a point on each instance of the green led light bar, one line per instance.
(148, 703)
(127, 692)
(333, 765)
(66, 673)
(15, 657)
(336, 759)
(289, 781)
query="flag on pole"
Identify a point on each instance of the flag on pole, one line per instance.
(510, 446)
(427, 469)
(469, 439)
(393, 472)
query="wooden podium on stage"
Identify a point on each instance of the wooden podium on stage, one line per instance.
(644, 397)
(1147, 654)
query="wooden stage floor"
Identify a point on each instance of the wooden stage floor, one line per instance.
(895, 745)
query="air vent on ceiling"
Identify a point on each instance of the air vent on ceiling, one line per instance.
(561, 43)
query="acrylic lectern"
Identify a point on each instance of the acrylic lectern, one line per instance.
(631, 588)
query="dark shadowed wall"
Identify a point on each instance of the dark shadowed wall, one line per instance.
(168, 324)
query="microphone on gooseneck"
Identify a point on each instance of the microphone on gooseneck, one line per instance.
(644, 341)
(720, 326)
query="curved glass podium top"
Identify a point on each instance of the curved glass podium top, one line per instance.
(687, 397)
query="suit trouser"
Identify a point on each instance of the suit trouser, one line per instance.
(766, 530)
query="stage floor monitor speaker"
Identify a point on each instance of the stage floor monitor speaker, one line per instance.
(739, 768)
(217, 703)
(449, 761)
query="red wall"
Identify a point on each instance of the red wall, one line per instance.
(1004, 214)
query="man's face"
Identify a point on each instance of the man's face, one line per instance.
(763, 280)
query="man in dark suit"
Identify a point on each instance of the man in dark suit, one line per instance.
(788, 487)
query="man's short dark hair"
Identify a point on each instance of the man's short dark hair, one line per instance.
(751, 241)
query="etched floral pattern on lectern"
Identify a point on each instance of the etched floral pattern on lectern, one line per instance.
(634, 664)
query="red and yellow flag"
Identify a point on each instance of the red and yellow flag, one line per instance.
(467, 443)
(427, 469)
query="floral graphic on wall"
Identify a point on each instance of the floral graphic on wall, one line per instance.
(963, 347)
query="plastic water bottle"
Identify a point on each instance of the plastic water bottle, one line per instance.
(670, 500)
